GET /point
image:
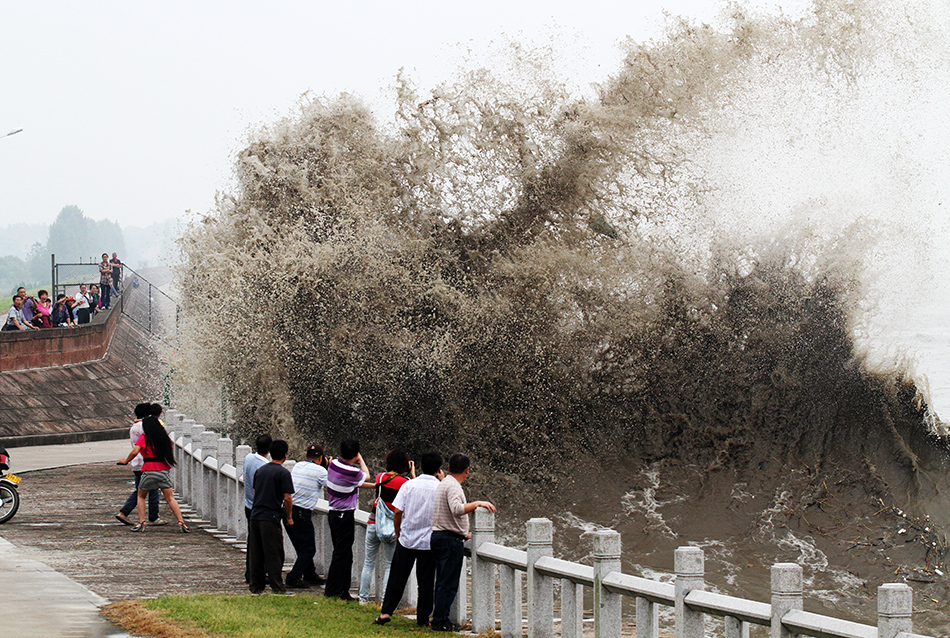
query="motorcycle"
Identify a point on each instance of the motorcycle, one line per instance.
(9, 497)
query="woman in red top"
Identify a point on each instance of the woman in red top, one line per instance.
(156, 449)
(387, 484)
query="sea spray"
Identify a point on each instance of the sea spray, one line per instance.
(690, 272)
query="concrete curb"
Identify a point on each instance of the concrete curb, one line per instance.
(64, 438)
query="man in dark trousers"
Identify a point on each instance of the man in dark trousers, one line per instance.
(449, 531)
(413, 519)
(273, 502)
(345, 475)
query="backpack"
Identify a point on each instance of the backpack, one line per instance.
(385, 525)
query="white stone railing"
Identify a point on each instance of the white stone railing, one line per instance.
(687, 596)
(209, 478)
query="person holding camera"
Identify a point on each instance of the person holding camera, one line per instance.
(310, 477)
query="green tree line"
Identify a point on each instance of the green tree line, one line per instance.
(72, 237)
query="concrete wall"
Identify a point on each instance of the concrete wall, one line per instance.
(25, 350)
(89, 400)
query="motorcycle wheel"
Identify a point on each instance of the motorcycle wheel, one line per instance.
(9, 502)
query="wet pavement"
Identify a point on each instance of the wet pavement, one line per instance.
(64, 554)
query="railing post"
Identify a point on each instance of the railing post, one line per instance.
(607, 606)
(572, 609)
(648, 621)
(786, 595)
(239, 517)
(171, 428)
(223, 498)
(196, 476)
(483, 574)
(688, 563)
(895, 602)
(184, 461)
(540, 588)
(735, 628)
(209, 483)
(509, 589)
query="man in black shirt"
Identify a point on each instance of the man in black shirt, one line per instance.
(273, 501)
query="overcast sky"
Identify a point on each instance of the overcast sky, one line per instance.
(133, 111)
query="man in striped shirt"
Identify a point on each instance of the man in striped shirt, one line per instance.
(345, 475)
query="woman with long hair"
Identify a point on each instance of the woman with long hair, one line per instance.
(158, 452)
(43, 308)
(388, 483)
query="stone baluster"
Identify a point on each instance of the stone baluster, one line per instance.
(195, 475)
(458, 612)
(572, 609)
(786, 595)
(224, 492)
(184, 461)
(607, 605)
(689, 566)
(509, 582)
(209, 483)
(540, 588)
(735, 628)
(483, 574)
(240, 516)
(895, 602)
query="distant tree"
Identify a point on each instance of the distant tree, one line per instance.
(14, 272)
(74, 237)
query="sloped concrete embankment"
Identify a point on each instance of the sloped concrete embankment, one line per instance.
(71, 385)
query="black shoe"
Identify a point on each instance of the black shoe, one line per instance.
(298, 584)
(316, 582)
(381, 621)
(449, 627)
(346, 597)
(422, 623)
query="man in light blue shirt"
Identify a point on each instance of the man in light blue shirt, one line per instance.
(253, 462)
(310, 476)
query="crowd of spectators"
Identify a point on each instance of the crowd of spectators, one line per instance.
(34, 313)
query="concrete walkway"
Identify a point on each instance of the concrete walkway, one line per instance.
(44, 457)
(36, 600)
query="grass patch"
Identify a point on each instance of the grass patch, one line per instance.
(220, 616)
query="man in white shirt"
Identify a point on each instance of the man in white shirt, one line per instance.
(413, 518)
(310, 477)
(253, 462)
(82, 308)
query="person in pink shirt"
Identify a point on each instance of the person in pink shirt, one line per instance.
(158, 454)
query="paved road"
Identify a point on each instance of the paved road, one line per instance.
(41, 457)
(63, 554)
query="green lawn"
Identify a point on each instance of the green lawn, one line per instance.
(301, 616)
